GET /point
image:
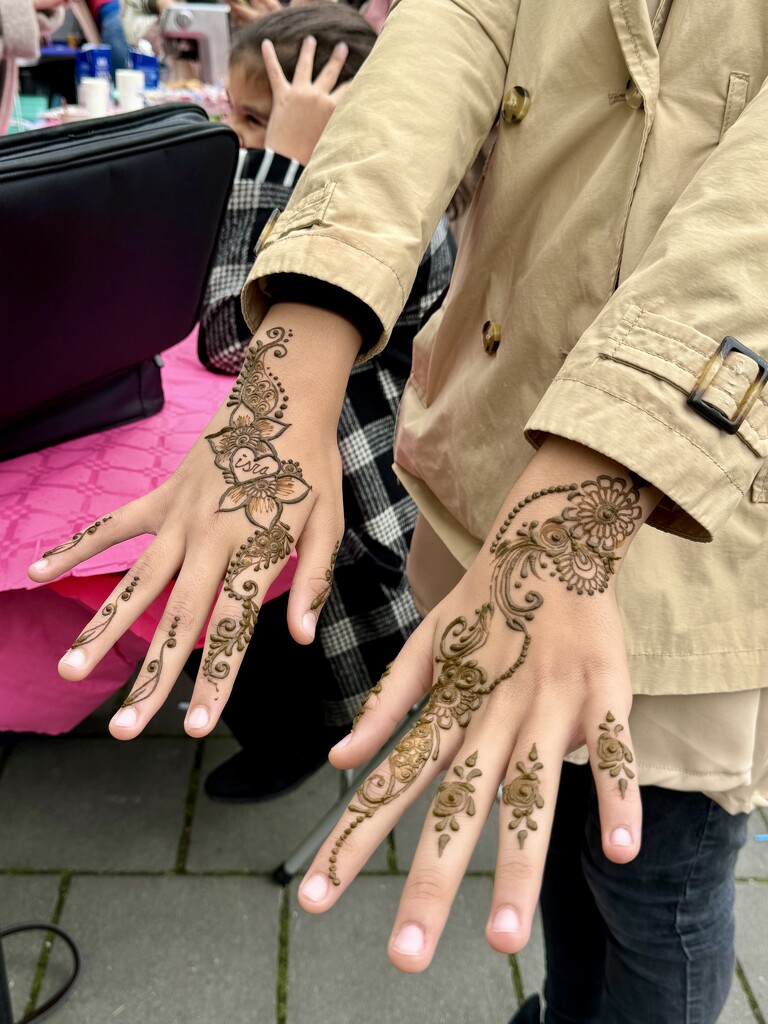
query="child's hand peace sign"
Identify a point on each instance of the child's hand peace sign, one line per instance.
(301, 108)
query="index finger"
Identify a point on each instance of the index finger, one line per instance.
(272, 66)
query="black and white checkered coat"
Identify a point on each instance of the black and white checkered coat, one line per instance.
(370, 612)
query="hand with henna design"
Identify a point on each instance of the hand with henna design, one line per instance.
(264, 477)
(522, 663)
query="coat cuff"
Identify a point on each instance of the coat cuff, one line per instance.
(328, 259)
(623, 392)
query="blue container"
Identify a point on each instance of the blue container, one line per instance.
(94, 60)
(149, 64)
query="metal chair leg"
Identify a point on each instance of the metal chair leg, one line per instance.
(315, 839)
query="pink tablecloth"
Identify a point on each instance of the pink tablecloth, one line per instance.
(48, 495)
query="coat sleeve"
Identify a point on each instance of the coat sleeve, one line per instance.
(624, 388)
(392, 156)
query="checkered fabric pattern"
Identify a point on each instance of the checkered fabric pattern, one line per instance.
(370, 611)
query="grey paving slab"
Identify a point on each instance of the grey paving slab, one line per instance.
(753, 857)
(24, 898)
(94, 804)
(737, 1009)
(752, 937)
(408, 832)
(259, 837)
(338, 969)
(174, 950)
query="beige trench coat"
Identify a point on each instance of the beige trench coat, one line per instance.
(642, 162)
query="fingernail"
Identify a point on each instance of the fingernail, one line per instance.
(621, 837)
(341, 46)
(342, 743)
(126, 718)
(40, 565)
(198, 719)
(315, 888)
(309, 622)
(75, 659)
(409, 940)
(505, 920)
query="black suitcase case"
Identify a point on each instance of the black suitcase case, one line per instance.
(108, 229)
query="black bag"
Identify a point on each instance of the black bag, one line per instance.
(108, 229)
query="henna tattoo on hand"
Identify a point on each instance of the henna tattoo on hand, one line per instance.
(613, 755)
(577, 548)
(259, 552)
(75, 540)
(455, 797)
(260, 483)
(155, 668)
(374, 691)
(523, 796)
(322, 597)
(108, 612)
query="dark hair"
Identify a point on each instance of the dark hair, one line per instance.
(329, 23)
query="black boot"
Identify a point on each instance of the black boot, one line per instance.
(529, 1012)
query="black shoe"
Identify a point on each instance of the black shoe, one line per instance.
(247, 778)
(529, 1012)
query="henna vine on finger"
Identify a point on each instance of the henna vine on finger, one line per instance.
(373, 692)
(108, 612)
(260, 483)
(322, 597)
(455, 797)
(155, 668)
(613, 755)
(523, 796)
(577, 548)
(75, 540)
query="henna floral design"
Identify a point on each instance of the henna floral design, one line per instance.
(260, 483)
(613, 755)
(523, 796)
(259, 552)
(578, 549)
(322, 597)
(108, 612)
(75, 540)
(155, 668)
(455, 797)
(374, 691)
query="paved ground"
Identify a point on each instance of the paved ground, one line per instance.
(172, 900)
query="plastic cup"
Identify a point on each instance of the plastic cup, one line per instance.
(130, 88)
(94, 95)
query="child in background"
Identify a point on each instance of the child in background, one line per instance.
(279, 112)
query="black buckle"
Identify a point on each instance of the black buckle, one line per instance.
(709, 412)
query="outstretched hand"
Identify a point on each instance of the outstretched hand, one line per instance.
(523, 662)
(265, 476)
(301, 108)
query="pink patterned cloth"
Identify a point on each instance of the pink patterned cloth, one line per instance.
(48, 495)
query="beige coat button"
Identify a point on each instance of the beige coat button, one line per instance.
(516, 104)
(491, 336)
(633, 96)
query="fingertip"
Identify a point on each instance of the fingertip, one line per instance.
(408, 949)
(72, 665)
(39, 568)
(314, 892)
(620, 845)
(309, 624)
(123, 724)
(505, 932)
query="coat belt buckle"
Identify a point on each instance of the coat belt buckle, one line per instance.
(708, 411)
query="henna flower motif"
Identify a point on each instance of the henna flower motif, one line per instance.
(455, 797)
(412, 752)
(245, 431)
(584, 571)
(264, 494)
(522, 793)
(604, 512)
(453, 696)
(614, 756)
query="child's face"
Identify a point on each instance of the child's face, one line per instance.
(250, 100)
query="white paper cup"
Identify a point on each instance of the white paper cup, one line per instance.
(130, 88)
(94, 95)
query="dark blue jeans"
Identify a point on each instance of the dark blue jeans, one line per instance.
(650, 942)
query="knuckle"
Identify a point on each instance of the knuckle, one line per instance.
(424, 886)
(512, 871)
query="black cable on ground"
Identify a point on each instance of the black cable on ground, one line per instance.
(56, 998)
